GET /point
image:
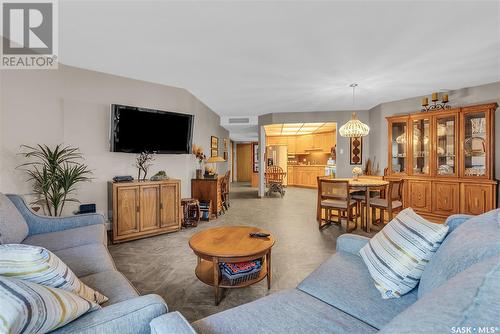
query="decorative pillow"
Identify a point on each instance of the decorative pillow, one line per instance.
(27, 307)
(13, 227)
(38, 265)
(397, 255)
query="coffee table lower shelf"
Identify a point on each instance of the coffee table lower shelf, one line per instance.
(205, 273)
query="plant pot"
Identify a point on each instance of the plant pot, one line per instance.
(199, 173)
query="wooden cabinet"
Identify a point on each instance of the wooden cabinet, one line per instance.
(477, 198)
(292, 144)
(126, 212)
(208, 190)
(290, 175)
(445, 198)
(304, 175)
(419, 195)
(142, 209)
(446, 158)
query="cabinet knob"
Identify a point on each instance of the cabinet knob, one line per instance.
(137, 208)
(161, 206)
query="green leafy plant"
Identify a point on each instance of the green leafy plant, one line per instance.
(55, 173)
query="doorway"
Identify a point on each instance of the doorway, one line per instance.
(244, 162)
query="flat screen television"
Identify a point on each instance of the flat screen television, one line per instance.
(134, 130)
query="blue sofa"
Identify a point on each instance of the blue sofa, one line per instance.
(459, 289)
(81, 242)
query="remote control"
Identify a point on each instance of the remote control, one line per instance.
(259, 235)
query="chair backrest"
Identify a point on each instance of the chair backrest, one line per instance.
(227, 179)
(275, 174)
(395, 191)
(333, 189)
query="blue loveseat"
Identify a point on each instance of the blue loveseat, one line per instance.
(81, 242)
(459, 289)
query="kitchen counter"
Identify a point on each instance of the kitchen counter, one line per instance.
(304, 175)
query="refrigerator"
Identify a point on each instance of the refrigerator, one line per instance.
(277, 155)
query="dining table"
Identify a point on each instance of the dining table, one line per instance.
(360, 184)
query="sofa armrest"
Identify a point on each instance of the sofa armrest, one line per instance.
(38, 224)
(127, 317)
(454, 221)
(351, 243)
(171, 323)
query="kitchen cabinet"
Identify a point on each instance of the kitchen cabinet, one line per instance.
(292, 144)
(304, 175)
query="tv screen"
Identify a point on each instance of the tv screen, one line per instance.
(134, 130)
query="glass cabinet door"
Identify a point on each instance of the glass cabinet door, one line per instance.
(421, 146)
(398, 147)
(446, 150)
(475, 145)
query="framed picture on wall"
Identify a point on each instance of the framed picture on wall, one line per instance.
(214, 142)
(214, 152)
(356, 151)
(225, 156)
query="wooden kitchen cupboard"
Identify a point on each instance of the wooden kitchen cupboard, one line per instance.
(144, 208)
(446, 158)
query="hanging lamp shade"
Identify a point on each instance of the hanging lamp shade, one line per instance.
(354, 128)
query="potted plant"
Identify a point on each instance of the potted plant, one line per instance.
(200, 156)
(142, 163)
(55, 173)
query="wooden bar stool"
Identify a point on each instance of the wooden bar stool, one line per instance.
(191, 212)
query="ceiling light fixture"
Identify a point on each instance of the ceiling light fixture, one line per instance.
(354, 127)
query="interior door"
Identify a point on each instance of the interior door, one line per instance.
(169, 205)
(244, 162)
(149, 207)
(127, 211)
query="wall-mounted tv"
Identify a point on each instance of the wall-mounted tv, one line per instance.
(134, 130)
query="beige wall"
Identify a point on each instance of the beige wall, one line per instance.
(72, 106)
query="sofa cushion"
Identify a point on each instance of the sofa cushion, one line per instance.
(54, 241)
(27, 307)
(472, 241)
(13, 227)
(344, 282)
(38, 265)
(128, 317)
(471, 299)
(289, 311)
(396, 256)
(113, 284)
(87, 259)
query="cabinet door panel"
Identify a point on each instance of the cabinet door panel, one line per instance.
(169, 205)
(127, 211)
(150, 210)
(419, 193)
(475, 199)
(445, 198)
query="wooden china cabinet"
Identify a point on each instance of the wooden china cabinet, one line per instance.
(446, 158)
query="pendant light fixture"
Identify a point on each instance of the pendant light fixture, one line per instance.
(354, 127)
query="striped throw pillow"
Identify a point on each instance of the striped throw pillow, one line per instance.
(27, 307)
(38, 265)
(397, 255)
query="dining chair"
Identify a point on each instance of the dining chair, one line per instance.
(334, 195)
(274, 180)
(393, 202)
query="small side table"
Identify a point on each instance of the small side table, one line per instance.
(230, 244)
(191, 212)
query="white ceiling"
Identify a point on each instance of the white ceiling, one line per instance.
(251, 58)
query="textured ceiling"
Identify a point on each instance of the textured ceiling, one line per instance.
(252, 58)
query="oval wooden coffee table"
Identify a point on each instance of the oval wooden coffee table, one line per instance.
(230, 244)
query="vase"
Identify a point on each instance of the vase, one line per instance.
(355, 177)
(199, 173)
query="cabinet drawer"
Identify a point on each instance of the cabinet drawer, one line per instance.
(445, 198)
(419, 195)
